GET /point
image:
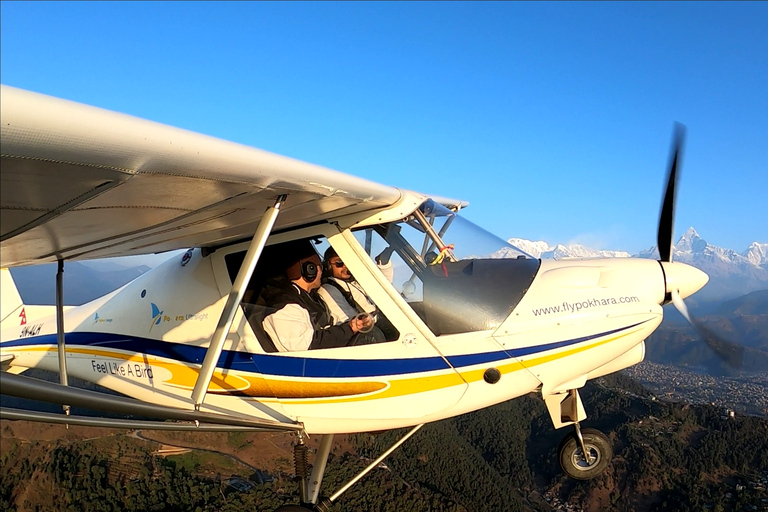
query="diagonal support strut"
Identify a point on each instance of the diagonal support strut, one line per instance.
(375, 463)
(233, 301)
(60, 337)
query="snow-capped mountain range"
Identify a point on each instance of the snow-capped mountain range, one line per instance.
(558, 252)
(731, 273)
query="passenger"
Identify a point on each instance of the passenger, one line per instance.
(300, 321)
(345, 297)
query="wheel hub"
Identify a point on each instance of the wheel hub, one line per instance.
(581, 462)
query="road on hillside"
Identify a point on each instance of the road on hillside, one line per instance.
(139, 435)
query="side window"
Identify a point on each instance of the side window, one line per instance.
(268, 279)
(346, 298)
(332, 303)
(399, 272)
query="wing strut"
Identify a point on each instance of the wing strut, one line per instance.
(60, 329)
(35, 389)
(233, 301)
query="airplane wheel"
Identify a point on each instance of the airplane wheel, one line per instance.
(572, 459)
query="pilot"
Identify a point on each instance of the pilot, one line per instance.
(345, 297)
(301, 321)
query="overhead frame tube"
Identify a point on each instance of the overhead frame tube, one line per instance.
(433, 234)
(233, 300)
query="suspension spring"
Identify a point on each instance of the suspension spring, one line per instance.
(300, 463)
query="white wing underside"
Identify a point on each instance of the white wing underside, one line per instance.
(79, 182)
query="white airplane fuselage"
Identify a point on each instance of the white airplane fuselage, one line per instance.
(578, 320)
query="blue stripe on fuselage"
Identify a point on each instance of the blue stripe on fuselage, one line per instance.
(279, 365)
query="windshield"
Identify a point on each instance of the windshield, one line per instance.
(468, 240)
(455, 275)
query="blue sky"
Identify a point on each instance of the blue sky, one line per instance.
(553, 119)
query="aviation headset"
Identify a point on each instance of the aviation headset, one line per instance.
(329, 253)
(309, 271)
(327, 272)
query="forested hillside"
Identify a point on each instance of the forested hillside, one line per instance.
(669, 457)
(743, 320)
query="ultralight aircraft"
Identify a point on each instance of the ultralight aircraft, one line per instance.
(474, 321)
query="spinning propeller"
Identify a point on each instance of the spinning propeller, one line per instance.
(680, 279)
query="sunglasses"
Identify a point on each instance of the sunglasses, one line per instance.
(338, 264)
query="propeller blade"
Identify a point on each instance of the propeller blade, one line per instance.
(667, 217)
(677, 300)
(731, 353)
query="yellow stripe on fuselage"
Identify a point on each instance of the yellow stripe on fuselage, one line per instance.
(315, 391)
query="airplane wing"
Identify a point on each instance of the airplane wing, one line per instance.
(80, 182)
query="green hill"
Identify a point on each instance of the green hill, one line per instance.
(669, 457)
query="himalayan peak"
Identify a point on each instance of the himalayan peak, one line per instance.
(691, 247)
(543, 250)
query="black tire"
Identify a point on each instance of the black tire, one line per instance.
(572, 459)
(292, 508)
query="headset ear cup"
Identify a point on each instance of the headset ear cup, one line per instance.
(327, 272)
(309, 271)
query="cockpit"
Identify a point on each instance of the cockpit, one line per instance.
(454, 275)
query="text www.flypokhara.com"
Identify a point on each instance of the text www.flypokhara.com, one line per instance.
(573, 307)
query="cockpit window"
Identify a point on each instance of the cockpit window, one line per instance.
(455, 275)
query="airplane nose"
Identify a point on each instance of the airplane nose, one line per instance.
(686, 279)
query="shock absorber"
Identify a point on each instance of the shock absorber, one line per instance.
(301, 467)
(300, 464)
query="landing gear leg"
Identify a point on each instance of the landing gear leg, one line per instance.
(588, 456)
(316, 478)
(584, 454)
(309, 486)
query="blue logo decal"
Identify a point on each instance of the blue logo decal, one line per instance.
(187, 256)
(157, 316)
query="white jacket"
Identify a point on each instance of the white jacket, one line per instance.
(340, 309)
